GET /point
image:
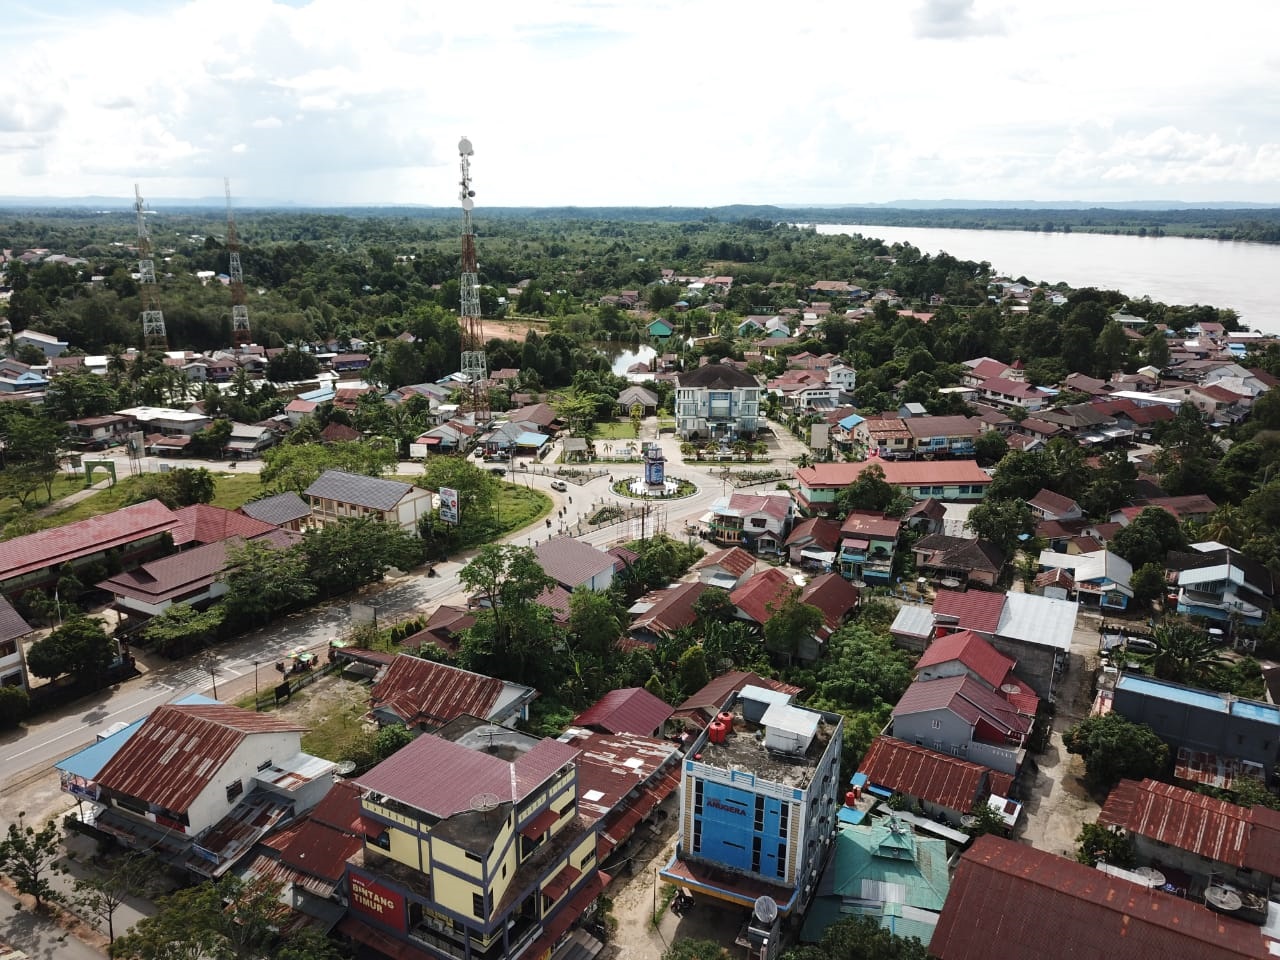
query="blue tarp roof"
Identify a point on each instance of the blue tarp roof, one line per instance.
(529, 439)
(851, 421)
(88, 763)
(851, 816)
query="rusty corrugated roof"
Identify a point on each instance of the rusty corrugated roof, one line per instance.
(924, 774)
(630, 710)
(424, 692)
(1214, 829)
(1011, 900)
(179, 749)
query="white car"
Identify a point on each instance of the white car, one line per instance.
(559, 485)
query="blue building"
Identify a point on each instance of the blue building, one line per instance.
(1214, 737)
(758, 801)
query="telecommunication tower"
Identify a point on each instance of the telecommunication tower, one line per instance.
(475, 366)
(153, 332)
(239, 309)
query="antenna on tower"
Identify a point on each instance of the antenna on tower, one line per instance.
(239, 309)
(475, 366)
(153, 332)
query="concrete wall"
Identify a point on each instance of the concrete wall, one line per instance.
(1035, 662)
(1184, 725)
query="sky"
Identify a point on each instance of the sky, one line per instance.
(667, 102)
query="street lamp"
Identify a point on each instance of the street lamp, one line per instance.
(255, 684)
(213, 675)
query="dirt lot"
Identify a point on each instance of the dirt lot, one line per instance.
(635, 896)
(509, 329)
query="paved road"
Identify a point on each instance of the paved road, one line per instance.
(38, 936)
(236, 668)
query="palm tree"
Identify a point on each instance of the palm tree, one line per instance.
(1183, 654)
(741, 448)
(1228, 525)
(688, 450)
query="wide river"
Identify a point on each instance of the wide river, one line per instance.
(1174, 270)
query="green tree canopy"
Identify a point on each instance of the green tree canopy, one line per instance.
(859, 938)
(263, 581)
(29, 857)
(296, 467)
(1002, 522)
(355, 551)
(79, 647)
(1183, 654)
(1116, 749)
(1149, 538)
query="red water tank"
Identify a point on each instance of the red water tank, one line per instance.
(850, 799)
(716, 732)
(726, 718)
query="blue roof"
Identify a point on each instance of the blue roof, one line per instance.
(1201, 699)
(318, 396)
(851, 421)
(530, 439)
(88, 763)
(851, 815)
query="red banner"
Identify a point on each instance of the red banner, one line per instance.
(374, 900)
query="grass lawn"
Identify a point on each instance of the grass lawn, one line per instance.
(66, 483)
(340, 722)
(231, 491)
(620, 430)
(519, 506)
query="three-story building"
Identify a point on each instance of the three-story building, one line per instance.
(758, 802)
(477, 849)
(718, 400)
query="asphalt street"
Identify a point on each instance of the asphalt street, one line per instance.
(234, 669)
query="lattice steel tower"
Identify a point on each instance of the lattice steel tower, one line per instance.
(153, 332)
(239, 308)
(475, 366)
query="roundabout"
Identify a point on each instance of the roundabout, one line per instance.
(670, 488)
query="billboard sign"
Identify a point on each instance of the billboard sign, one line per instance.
(448, 505)
(377, 901)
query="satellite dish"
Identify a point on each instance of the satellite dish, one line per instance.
(1010, 688)
(465, 148)
(765, 909)
(346, 767)
(468, 203)
(484, 802)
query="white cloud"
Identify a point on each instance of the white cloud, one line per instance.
(951, 19)
(589, 102)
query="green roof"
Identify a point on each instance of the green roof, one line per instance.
(885, 871)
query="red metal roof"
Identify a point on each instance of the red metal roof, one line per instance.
(969, 609)
(1213, 829)
(833, 595)
(702, 705)
(672, 608)
(412, 774)
(1011, 900)
(822, 533)
(178, 576)
(179, 750)
(778, 507)
(205, 523)
(424, 692)
(734, 560)
(870, 524)
(571, 562)
(630, 710)
(757, 595)
(904, 473)
(317, 845)
(967, 699)
(924, 774)
(975, 653)
(46, 548)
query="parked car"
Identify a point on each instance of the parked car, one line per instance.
(498, 471)
(559, 485)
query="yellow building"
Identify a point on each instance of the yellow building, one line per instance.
(475, 849)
